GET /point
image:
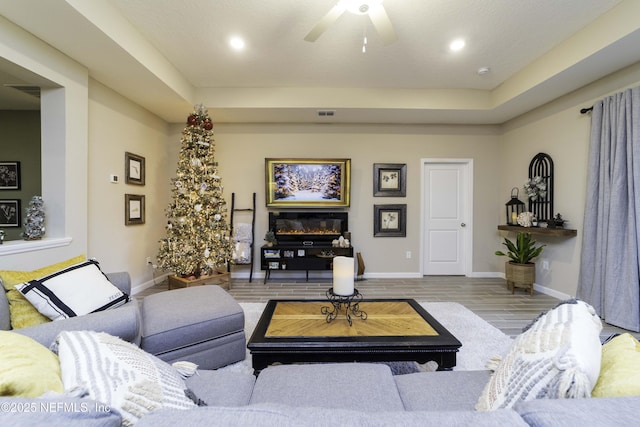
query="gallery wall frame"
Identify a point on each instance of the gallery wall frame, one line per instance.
(390, 220)
(389, 179)
(134, 209)
(134, 168)
(10, 213)
(307, 183)
(10, 175)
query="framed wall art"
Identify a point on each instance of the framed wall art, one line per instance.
(10, 213)
(134, 169)
(133, 209)
(389, 220)
(9, 175)
(307, 183)
(389, 179)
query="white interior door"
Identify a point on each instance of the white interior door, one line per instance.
(446, 219)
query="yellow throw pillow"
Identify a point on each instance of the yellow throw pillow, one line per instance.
(22, 313)
(27, 368)
(620, 370)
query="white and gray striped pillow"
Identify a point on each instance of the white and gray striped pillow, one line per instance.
(119, 374)
(557, 357)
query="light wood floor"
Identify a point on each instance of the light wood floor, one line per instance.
(488, 298)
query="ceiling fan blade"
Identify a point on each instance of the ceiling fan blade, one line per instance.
(383, 24)
(331, 17)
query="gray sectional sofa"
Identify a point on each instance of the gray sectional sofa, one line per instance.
(357, 394)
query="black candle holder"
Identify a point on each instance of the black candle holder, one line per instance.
(351, 304)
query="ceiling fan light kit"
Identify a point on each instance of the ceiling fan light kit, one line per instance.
(359, 7)
(372, 8)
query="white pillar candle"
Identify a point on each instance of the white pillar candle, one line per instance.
(343, 275)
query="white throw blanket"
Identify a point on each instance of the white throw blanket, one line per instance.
(480, 341)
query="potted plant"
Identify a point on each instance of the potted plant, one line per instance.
(270, 238)
(521, 271)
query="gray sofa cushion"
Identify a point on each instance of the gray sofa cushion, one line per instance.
(211, 354)
(360, 386)
(445, 390)
(217, 388)
(601, 412)
(286, 416)
(184, 317)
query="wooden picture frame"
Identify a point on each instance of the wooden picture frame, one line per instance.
(10, 213)
(10, 175)
(307, 183)
(389, 179)
(389, 220)
(134, 168)
(134, 209)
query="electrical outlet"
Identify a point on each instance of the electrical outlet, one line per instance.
(545, 265)
(408, 254)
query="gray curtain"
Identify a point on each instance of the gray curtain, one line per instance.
(609, 271)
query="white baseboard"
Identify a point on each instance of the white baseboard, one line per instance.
(551, 292)
(487, 275)
(142, 286)
(392, 275)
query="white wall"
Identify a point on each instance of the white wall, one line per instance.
(241, 150)
(116, 126)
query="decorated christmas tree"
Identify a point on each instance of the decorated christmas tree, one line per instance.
(34, 222)
(197, 241)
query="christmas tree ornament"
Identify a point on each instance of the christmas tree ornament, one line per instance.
(207, 124)
(192, 120)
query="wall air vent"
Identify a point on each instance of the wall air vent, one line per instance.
(326, 113)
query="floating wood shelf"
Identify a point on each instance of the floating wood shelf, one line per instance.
(568, 232)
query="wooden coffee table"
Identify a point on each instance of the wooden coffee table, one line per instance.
(295, 331)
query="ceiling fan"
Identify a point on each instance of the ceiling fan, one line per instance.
(372, 8)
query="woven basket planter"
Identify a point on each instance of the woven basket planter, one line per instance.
(520, 276)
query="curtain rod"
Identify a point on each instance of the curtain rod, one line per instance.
(586, 110)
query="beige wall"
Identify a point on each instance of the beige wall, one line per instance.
(116, 126)
(241, 150)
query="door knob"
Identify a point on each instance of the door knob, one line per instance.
(463, 225)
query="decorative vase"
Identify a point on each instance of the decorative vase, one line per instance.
(520, 276)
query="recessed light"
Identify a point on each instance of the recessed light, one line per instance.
(236, 43)
(456, 45)
(483, 70)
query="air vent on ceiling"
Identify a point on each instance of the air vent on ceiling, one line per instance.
(29, 90)
(326, 113)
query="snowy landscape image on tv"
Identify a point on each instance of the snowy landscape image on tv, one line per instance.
(308, 182)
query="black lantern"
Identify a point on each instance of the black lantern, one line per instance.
(514, 208)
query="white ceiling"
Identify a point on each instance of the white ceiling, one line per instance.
(168, 55)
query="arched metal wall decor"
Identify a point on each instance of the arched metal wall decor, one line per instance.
(542, 165)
